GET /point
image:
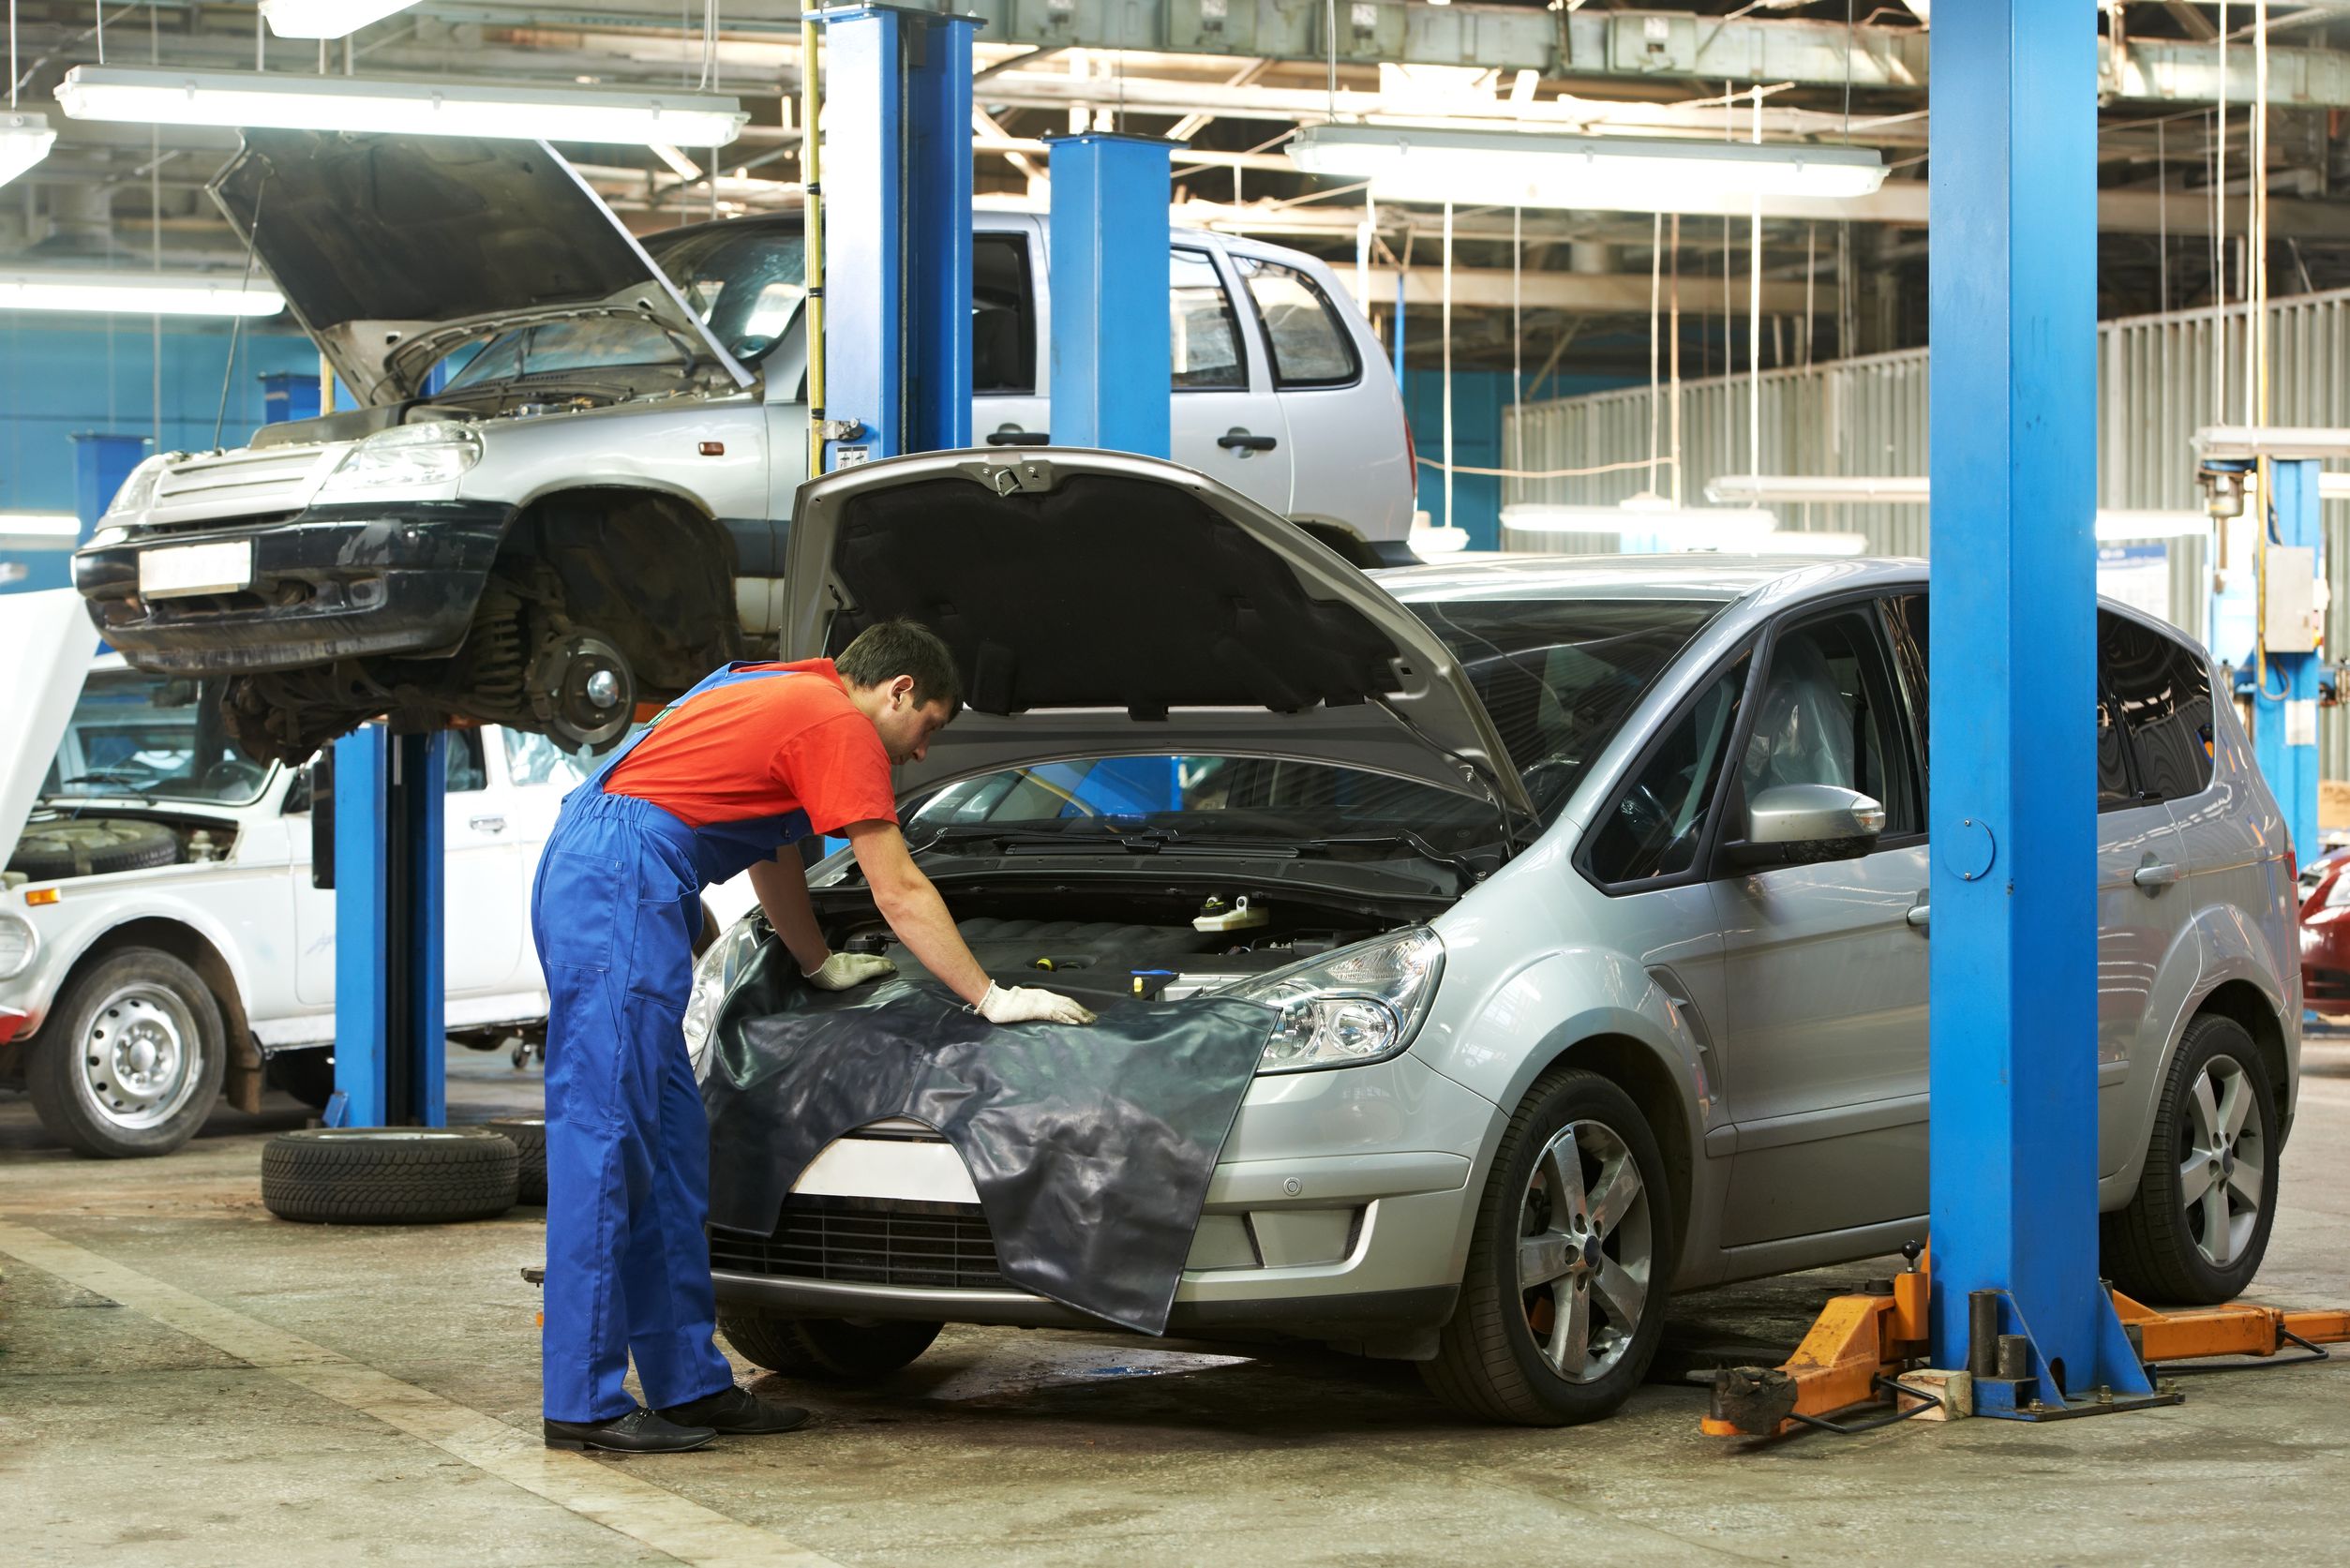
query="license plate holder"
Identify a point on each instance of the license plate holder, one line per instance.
(175, 571)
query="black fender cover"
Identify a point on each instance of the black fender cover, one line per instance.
(1090, 1146)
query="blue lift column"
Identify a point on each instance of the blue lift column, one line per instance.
(389, 850)
(897, 228)
(2013, 244)
(1112, 358)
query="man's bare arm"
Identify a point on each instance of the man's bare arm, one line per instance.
(913, 909)
(782, 885)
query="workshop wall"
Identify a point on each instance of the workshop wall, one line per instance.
(1480, 401)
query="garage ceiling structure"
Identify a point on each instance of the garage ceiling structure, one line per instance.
(1237, 78)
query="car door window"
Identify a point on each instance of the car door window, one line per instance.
(1828, 714)
(1311, 346)
(1655, 825)
(1003, 314)
(536, 759)
(1205, 334)
(2163, 692)
(468, 770)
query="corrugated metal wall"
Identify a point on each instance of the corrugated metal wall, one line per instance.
(1867, 417)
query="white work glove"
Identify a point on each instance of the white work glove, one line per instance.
(843, 971)
(1025, 1004)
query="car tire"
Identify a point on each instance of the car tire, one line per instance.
(528, 1134)
(129, 1060)
(2196, 1229)
(1509, 1351)
(308, 1075)
(400, 1175)
(824, 1349)
(93, 847)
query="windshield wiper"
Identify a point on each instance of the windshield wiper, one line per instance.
(1133, 840)
(107, 775)
(1466, 868)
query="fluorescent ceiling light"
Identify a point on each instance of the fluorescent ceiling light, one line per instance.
(2151, 525)
(24, 141)
(40, 530)
(2333, 486)
(1697, 528)
(151, 95)
(2244, 442)
(326, 18)
(138, 293)
(1613, 173)
(1829, 490)
(1437, 541)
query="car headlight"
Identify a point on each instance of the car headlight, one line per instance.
(714, 974)
(138, 491)
(405, 457)
(1360, 1004)
(19, 941)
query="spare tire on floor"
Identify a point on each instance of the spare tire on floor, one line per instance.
(529, 1136)
(398, 1175)
(91, 846)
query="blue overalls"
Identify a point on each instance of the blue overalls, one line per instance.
(614, 911)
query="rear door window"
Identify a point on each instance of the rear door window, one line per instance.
(2162, 690)
(1204, 333)
(1003, 314)
(1310, 344)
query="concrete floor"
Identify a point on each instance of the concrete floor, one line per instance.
(185, 1380)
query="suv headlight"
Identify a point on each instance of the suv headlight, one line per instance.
(138, 491)
(714, 974)
(1360, 1004)
(19, 941)
(406, 456)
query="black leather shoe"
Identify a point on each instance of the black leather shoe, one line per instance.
(640, 1431)
(737, 1411)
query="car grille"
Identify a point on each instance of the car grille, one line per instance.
(273, 480)
(856, 1241)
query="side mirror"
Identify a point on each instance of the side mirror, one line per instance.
(1802, 823)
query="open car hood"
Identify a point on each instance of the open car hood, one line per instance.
(393, 250)
(1100, 604)
(45, 647)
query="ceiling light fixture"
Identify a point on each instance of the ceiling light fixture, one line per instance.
(24, 141)
(1658, 524)
(150, 95)
(137, 293)
(326, 18)
(40, 530)
(1833, 489)
(1601, 173)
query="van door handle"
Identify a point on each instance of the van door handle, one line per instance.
(1920, 918)
(1241, 441)
(1019, 438)
(487, 824)
(2155, 875)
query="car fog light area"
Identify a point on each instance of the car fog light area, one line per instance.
(407, 457)
(1360, 1004)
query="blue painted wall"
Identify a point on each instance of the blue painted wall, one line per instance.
(1478, 398)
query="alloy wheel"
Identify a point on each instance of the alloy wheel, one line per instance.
(2223, 1167)
(1585, 1251)
(140, 1057)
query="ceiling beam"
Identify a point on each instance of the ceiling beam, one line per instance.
(1580, 294)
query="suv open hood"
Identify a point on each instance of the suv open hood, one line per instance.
(1102, 603)
(391, 250)
(45, 648)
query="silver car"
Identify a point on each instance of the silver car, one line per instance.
(1591, 893)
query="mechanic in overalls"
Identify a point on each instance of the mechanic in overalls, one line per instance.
(724, 779)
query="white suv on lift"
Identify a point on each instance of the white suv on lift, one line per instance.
(564, 491)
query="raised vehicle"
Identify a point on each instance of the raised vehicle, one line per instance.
(555, 501)
(1591, 895)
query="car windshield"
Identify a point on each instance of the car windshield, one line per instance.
(1560, 676)
(153, 737)
(746, 281)
(553, 348)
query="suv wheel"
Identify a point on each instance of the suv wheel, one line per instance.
(129, 1060)
(824, 1348)
(1563, 1302)
(2195, 1229)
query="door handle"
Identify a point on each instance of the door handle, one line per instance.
(1921, 916)
(1241, 441)
(487, 824)
(1019, 438)
(2155, 875)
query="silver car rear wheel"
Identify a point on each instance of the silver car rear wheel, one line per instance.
(1588, 1253)
(2222, 1176)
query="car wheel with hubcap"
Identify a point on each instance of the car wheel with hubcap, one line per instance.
(2197, 1227)
(129, 1060)
(1561, 1304)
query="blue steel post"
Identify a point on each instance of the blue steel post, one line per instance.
(2284, 707)
(2013, 1056)
(897, 212)
(390, 847)
(1112, 359)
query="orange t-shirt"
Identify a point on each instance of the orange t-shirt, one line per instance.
(774, 746)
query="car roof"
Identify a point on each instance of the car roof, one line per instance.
(1697, 574)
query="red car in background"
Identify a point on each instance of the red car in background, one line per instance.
(2325, 934)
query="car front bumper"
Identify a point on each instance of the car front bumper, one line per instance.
(330, 583)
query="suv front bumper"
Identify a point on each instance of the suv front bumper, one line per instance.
(330, 583)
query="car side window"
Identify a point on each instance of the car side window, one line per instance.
(466, 768)
(2115, 787)
(536, 759)
(1311, 346)
(1657, 822)
(1829, 714)
(1204, 333)
(1003, 314)
(2163, 692)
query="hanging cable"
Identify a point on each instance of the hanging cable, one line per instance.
(1655, 283)
(2219, 229)
(1754, 310)
(236, 323)
(1449, 522)
(1811, 274)
(812, 246)
(1517, 336)
(1673, 357)
(1330, 54)
(11, 54)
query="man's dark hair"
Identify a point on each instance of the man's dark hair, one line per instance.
(889, 648)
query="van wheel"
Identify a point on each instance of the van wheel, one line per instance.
(1563, 1302)
(129, 1060)
(2197, 1227)
(826, 1349)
